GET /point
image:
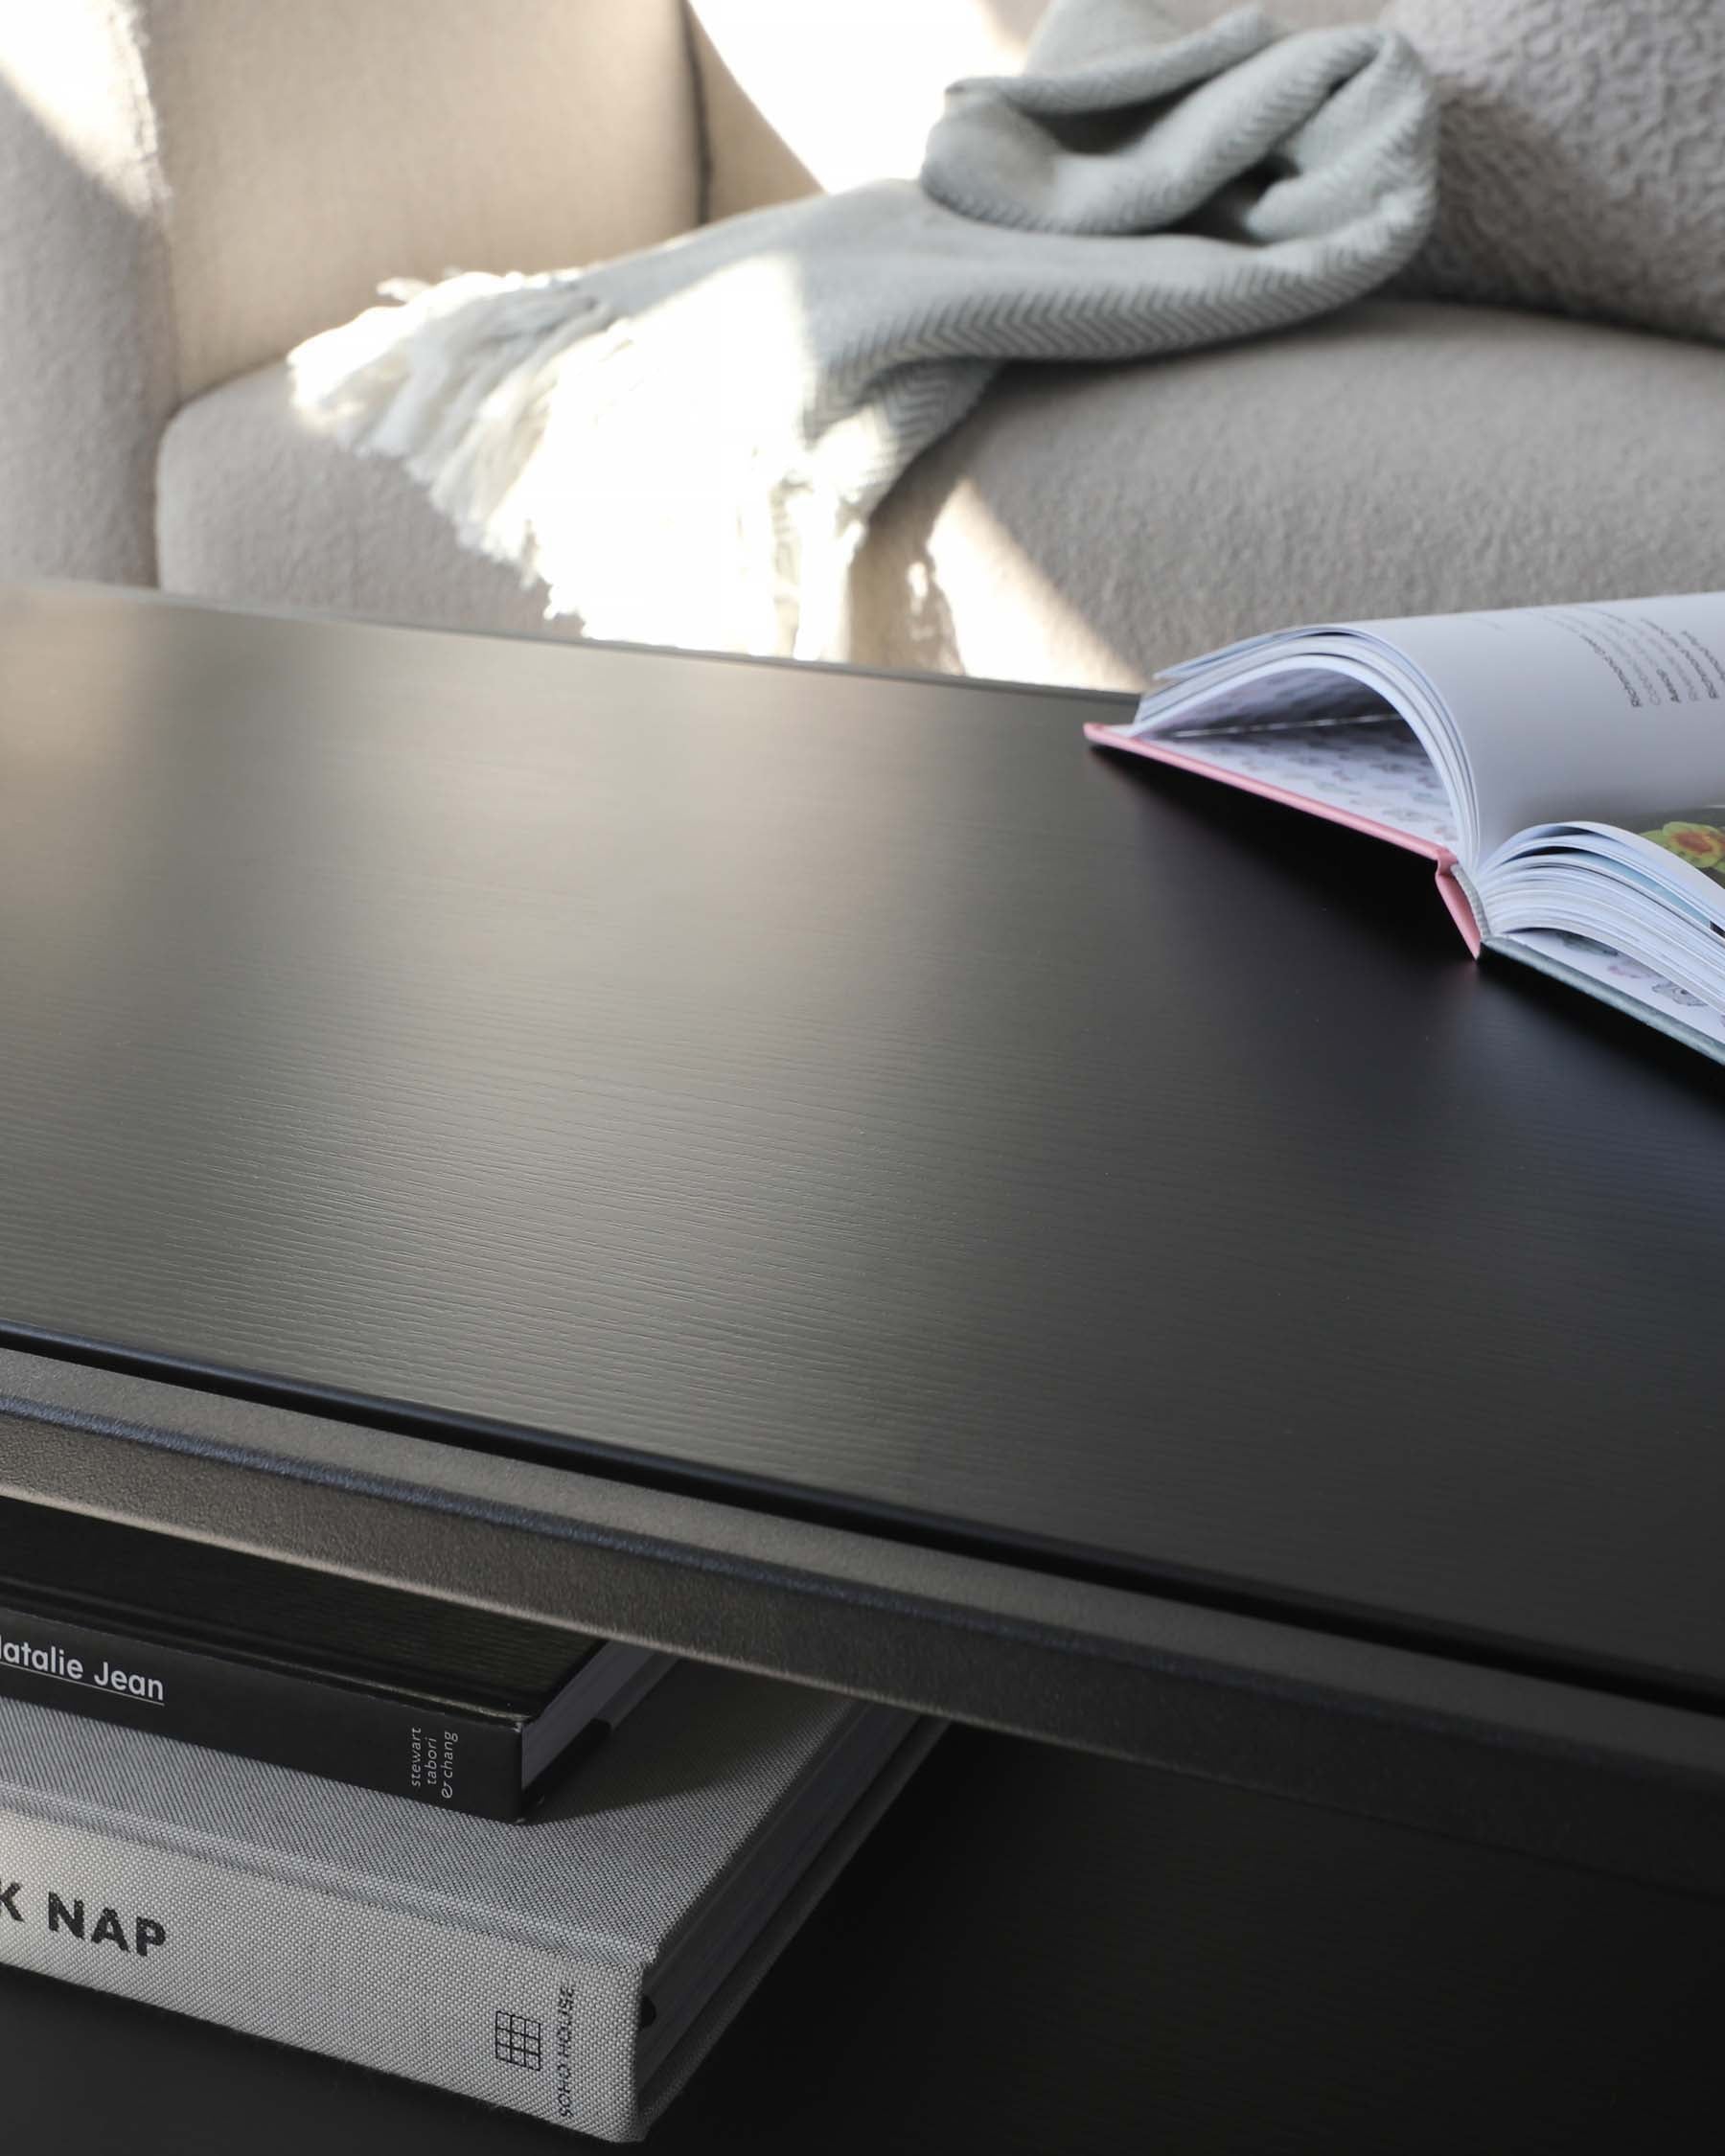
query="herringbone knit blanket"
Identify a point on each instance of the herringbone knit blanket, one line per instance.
(687, 444)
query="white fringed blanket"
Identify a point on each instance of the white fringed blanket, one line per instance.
(686, 444)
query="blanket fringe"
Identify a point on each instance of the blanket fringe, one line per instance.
(687, 444)
(522, 404)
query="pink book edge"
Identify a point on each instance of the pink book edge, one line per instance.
(1454, 897)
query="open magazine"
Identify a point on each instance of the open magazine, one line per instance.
(1564, 767)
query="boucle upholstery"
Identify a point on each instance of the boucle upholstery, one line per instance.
(1088, 525)
(1093, 525)
(257, 505)
(1583, 156)
(1085, 526)
(194, 185)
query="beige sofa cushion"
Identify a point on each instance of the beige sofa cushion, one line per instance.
(255, 506)
(1090, 526)
(195, 185)
(1582, 166)
(1403, 457)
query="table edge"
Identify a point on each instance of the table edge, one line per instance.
(1528, 1763)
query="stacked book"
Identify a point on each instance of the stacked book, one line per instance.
(494, 1856)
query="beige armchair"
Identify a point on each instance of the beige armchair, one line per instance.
(190, 186)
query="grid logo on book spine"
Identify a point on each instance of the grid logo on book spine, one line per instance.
(519, 2040)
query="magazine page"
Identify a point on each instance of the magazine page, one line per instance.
(1324, 719)
(1654, 897)
(1531, 716)
(1368, 769)
(1588, 713)
(1632, 987)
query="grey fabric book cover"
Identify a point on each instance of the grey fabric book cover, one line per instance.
(576, 1965)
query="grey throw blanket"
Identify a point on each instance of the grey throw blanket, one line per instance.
(687, 444)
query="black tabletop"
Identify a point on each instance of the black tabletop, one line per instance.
(854, 1092)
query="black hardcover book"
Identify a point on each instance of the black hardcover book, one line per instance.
(460, 1709)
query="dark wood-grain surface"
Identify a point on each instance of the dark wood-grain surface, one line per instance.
(854, 1095)
(1043, 1953)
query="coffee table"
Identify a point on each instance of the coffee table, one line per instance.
(821, 1171)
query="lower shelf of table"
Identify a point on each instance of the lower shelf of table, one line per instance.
(1039, 1952)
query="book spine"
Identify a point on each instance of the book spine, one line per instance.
(451, 1761)
(304, 1963)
